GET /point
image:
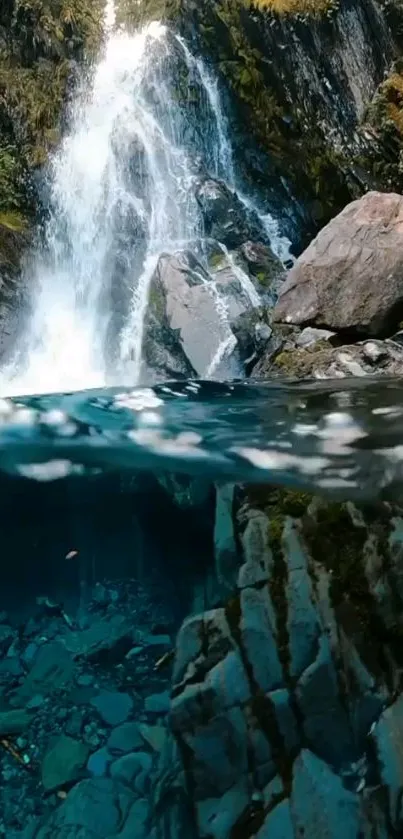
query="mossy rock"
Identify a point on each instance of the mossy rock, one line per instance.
(351, 544)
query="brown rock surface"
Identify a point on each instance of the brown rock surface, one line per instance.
(350, 278)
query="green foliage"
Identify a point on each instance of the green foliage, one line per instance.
(10, 179)
(38, 38)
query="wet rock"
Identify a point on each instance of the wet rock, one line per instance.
(184, 323)
(303, 621)
(99, 762)
(125, 738)
(326, 724)
(10, 671)
(52, 669)
(157, 640)
(253, 331)
(157, 703)
(63, 762)
(106, 640)
(84, 680)
(225, 547)
(136, 823)
(113, 707)
(322, 360)
(225, 217)
(75, 723)
(278, 823)
(348, 279)
(153, 735)
(216, 817)
(96, 807)
(320, 804)
(387, 736)
(126, 768)
(311, 335)
(262, 263)
(13, 722)
(35, 702)
(7, 636)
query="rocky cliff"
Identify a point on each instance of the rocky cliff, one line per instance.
(314, 91)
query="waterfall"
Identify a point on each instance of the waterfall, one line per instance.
(120, 195)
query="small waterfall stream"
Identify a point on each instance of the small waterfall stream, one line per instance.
(121, 194)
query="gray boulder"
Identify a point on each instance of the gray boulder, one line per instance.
(350, 277)
(188, 316)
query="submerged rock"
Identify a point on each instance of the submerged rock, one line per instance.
(305, 654)
(113, 707)
(63, 762)
(52, 669)
(349, 278)
(13, 722)
(96, 807)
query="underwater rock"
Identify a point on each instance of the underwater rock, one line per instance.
(125, 738)
(96, 807)
(7, 636)
(295, 660)
(157, 703)
(63, 763)
(13, 722)
(113, 707)
(51, 670)
(387, 737)
(108, 639)
(320, 804)
(99, 762)
(127, 768)
(349, 278)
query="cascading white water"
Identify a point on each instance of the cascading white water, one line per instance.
(127, 116)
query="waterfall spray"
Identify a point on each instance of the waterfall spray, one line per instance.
(121, 194)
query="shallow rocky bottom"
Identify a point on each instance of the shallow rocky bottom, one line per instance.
(82, 706)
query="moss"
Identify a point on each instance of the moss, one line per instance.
(292, 7)
(384, 121)
(131, 13)
(302, 362)
(39, 39)
(13, 221)
(216, 260)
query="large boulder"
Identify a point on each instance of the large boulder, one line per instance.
(188, 317)
(350, 278)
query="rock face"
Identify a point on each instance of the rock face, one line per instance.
(350, 279)
(274, 693)
(224, 215)
(280, 65)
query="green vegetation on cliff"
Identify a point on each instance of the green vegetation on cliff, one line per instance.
(285, 7)
(39, 42)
